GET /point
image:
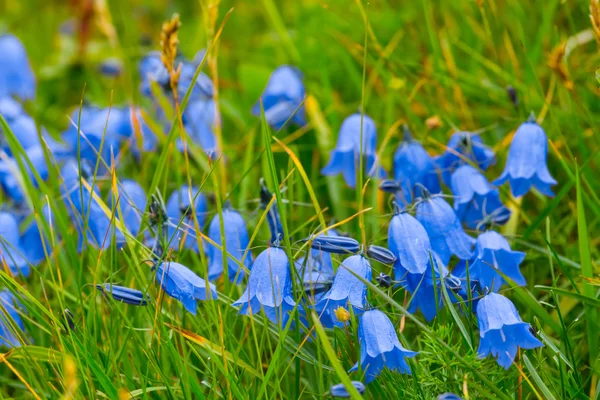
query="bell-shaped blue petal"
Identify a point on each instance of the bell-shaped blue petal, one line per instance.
(444, 229)
(182, 284)
(345, 157)
(409, 242)
(151, 70)
(379, 346)
(269, 287)
(199, 119)
(34, 239)
(128, 204)
(236, 245)
(526, 161)
(11, 324)
(10, 109)
(449, 396)
(501, 330)
(182, 232)
(412, 166)
(282, 98)
(476, 201)
(10, 174)
(11, 252)
(463, 147)
(16, 75)
(346, 291)
(493, 254)
(27, 134)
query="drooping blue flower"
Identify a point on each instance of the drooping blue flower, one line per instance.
(151, 70)
(181, 214)
(112, 67)
(11, 252)
(128, 204)
(88, 217)
(379, 346)
(381, 254)
(124, 294)
(26, 132)
(449, 396)
(334, 244)
(345, 157)
(409, 242)
(269, 287)
(273, 217)
(461, 147)
(526, 161)
(346, 291)
(199, 119)
(314, 282)
(236, 245)
(11, 324)
(182, 284)
(425, 290)
(444, 229)
(34, 238)
(10, 174)
(143, 139)
(321, 260)
(412, 166)
(282, 98)
(501, 330)
(493, 254)
(340, 391)
(476, 201)
(16, 75)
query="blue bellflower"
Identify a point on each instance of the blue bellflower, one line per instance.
(182, 284)
(11, 324)
(11, 252)
(124, 294)
(16, 75)
(181, 213)
(340, 391)
(346, 291)
(143, 139)
(461, 147)
(409, 242)
(444, 229)
(34, 239)
(26, 132)
(501, 330)
(236, 245)
(412, 166)
(379, 346)
(449, 396)
(476, 201)
(493, 254)
(10, 174)
(282, 98)
(131, 201)
(345, 157)
(269, 287)
(526, 161)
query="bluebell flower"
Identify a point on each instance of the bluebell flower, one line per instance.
(345, 157)
(143, 139)
(526, 161)
(463, 147)
(10, 108)
(100, 133)
(424, 289)
(124, 294)
(182, 284)
(334, 244)
(11, 252)
(409, 242)
(379, 346)
(321, 260)
(449, 396)
(340, 391)
(314, 281)
(11, 324)
(381, 254)
(269, 287)
(152, 69)
(346, 291)
(34, 238)
(273, 217)
(16, 75)
(412, 166)
(84, 210)
(26, 132)
(131, 201)
(501, 330)
(236, 245)
(181, 214)
(111, 67)
(493, 254)
(282, 98)
(476, 201)
(199, 119)
(444, 229)
(10, 174)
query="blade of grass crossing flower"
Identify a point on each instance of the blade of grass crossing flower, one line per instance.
(587, 271)
(333, 359)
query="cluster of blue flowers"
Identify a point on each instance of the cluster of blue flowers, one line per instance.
(426, 234)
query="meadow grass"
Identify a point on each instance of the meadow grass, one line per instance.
(399, 62)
